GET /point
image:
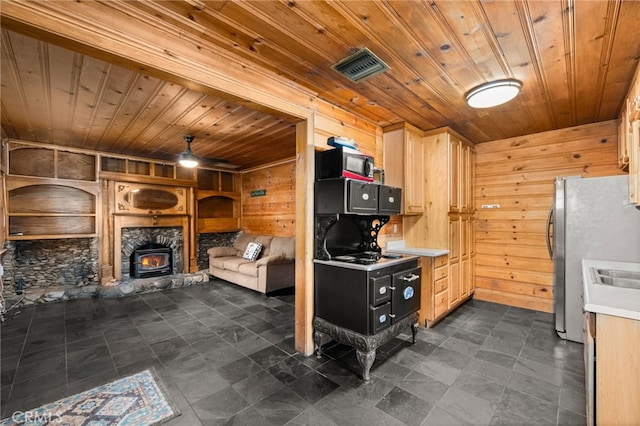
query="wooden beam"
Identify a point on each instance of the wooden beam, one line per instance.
(305, 169)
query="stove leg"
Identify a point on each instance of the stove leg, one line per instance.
(414, 331)
(317, 338)
(365, 359)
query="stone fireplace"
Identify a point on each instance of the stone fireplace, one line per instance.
(131, 232)
(136, 243)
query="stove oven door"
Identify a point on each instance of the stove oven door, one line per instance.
(405, 295)
(380, 318)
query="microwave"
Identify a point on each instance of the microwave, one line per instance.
(344, 162)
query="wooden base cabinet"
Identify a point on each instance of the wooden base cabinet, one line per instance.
(445, 286)
(435, 289)
(617, 371)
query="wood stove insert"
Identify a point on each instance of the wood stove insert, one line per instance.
(151, 260)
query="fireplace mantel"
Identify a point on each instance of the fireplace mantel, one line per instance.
(162, 207)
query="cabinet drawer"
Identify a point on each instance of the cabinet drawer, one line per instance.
(441, 272)
(441, 285)
(441, 303)
(441, 261)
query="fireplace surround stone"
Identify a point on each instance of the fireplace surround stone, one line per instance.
(135, 237)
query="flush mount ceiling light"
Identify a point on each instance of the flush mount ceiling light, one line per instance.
(187, 158)
(493, 93)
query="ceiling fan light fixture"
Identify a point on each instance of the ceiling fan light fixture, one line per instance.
(187, 158)
(493, 93)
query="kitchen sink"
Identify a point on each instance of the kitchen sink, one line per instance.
(616, 278)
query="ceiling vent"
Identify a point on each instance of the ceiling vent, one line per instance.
(361, 65)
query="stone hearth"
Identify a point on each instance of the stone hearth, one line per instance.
(112, 289)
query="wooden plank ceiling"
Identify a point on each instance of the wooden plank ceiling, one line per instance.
(574, 58)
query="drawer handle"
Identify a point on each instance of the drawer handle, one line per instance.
(382, 290)
(392, 200)
(382, 319)
(365, 196)
(411, 277)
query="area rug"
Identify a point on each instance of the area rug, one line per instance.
(137, 400)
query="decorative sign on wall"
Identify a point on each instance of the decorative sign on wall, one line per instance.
(259, 193)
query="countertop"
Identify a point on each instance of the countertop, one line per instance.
(382, 263)
(607, 299)
(399, 247)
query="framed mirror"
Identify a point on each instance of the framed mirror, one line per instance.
(150, 199)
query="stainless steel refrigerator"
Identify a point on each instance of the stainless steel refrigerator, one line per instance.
(591, 218)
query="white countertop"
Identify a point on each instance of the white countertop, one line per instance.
(399, 247)
(607, 299)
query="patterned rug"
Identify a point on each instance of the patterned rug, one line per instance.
(137, 400)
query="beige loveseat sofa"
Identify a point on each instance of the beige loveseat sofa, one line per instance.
(274, 269)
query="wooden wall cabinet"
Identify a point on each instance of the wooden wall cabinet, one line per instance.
(629, 138)
(404, 157)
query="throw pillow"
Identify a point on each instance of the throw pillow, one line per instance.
(253, 251)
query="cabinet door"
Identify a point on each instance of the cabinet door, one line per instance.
(454, 175)
(465, 262)
(469, 171)
(454, 261)
(634, 162)
(623, 137)
(414, 177)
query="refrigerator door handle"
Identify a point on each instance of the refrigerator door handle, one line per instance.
(549, 226)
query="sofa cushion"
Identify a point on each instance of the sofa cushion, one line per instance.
(218, 262)
(253, 251)
(283, 247)
(233, 263)
(242, 242)
(221, 251)
(249, 268)
(265, 240)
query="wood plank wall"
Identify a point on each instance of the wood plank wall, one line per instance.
(275, 212)
(512, 263)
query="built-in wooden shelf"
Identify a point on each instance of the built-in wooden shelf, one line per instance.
(218, 199)
(52, 192)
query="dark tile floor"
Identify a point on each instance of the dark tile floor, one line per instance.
(226, 355)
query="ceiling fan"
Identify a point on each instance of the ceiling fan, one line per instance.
(190, 160)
